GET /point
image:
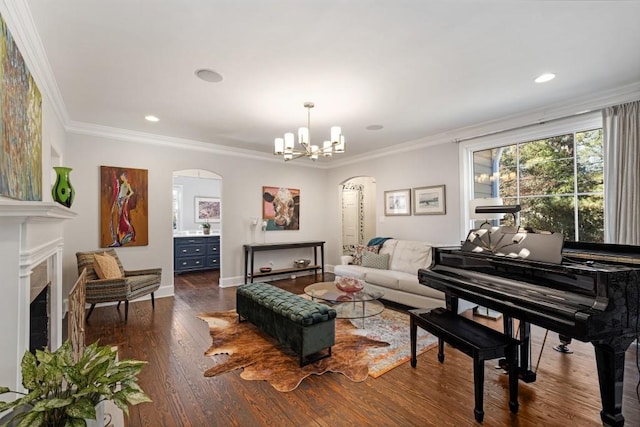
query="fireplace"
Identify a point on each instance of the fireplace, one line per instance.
(31, 247)
(39, 309)
(39, 321)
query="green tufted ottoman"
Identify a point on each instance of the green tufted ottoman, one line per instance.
(306, 327)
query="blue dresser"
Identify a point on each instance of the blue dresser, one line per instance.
(193, 253)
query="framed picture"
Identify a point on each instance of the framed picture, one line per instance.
(207, 209)
(280, 208)
(429, 200)
(124, 207)
(20, 124)
(397, 202)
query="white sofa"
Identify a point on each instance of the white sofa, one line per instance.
(399, 282)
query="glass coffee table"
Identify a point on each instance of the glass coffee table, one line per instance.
(348, 305)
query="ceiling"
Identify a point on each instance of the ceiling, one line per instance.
(419, 68)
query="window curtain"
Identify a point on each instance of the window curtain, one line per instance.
(621, 138)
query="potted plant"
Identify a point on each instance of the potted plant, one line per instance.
(63, 392)
(206, 227)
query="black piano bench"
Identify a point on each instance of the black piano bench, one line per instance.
(475, 340)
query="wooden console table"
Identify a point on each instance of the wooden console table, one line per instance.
(250, 250)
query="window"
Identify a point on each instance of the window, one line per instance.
(176, 204)
(557, 180)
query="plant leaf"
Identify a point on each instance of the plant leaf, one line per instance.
(75, 422)
(82, 409)
(137, 397)
(28, 367)
(46, 404)
(5, 405)
(32, 419)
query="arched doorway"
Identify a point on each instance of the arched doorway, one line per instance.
(197, 201)
(358, 197)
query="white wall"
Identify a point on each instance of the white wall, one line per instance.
(434, 165)
(242, 179)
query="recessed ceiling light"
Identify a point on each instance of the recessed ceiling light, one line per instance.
(374, 127)
(545, 78)
(151, 118)
(208, 75)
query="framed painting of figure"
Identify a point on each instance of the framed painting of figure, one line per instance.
(124, 206)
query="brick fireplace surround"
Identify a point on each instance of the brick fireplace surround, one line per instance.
(31, 233)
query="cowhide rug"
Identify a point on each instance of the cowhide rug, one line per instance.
(264, 359)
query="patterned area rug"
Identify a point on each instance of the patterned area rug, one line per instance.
(393, 327)
(382, 345)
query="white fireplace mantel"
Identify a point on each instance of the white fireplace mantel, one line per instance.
(35, 210)
(30, 233)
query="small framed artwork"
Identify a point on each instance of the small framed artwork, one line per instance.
(429, 200)
(397, 202)
(207, 209)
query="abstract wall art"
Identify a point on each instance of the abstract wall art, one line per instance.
(20, 124)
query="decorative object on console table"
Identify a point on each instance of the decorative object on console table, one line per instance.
(429, 200)
(62, 191)
(281, 208)
(397, 202)
(123, 207)
(301, 263)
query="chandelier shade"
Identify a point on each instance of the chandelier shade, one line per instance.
(286, 146)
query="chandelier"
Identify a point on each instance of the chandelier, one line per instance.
(286, 146)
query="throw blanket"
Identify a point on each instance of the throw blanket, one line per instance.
(378, 241)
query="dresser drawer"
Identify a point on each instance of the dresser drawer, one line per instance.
(184, 241)
(189, 263)
(213, 249)
(190, 250)
(213, 261)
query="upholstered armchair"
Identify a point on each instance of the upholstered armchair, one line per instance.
(108, 281)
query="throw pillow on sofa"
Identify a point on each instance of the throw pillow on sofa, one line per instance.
(372, 260)
(360, 249)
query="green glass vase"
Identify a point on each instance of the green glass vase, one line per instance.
(62, 190)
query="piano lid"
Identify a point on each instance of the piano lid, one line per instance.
(516, 243)
(602, 252)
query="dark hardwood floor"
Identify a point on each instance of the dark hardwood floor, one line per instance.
(173, 341)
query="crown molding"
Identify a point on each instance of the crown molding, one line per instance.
(126, 135)
(580, 105)
(18, 17)
(576, 106)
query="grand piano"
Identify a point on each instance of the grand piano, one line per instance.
(586, 291)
